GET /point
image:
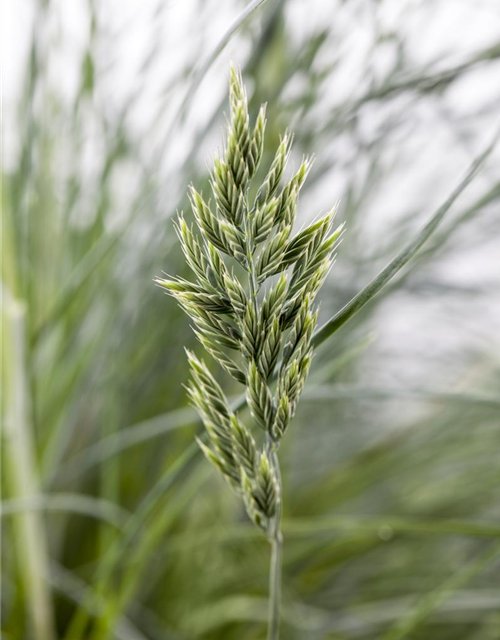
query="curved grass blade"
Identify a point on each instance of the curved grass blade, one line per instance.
(30, 548)
(379, 282)
(123, 439)
(77, 503)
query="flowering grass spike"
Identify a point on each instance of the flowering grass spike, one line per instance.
(252, 303)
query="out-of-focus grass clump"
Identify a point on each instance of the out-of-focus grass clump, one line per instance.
(113, 527)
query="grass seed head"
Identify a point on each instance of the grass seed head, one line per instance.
(255, 329)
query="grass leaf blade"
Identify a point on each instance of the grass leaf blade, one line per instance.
(405, 255)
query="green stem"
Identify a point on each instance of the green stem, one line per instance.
(30, 543)
(273, 629)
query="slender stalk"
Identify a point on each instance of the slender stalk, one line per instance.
(29, 534)
(273, 628)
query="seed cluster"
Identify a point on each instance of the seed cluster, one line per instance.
(252, 302)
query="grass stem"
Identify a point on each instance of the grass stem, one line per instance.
(19, 452)
(273, 630)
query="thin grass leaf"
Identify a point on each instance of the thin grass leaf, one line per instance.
(378, 283)
(77, 503)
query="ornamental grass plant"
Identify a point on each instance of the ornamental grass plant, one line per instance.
(114, 526)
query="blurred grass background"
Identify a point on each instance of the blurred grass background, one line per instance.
(113, 526)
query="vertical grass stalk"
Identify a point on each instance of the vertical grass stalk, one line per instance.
(275, 571)
(20, 471)
(275, 587)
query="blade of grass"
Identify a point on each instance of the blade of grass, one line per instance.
(472, 607)
(123, 439)
(403, 257)
(77, 503)
(109, 476)
(19, 451)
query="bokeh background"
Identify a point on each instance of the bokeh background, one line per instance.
(113, 525)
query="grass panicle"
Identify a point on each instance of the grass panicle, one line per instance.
(257, 325)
